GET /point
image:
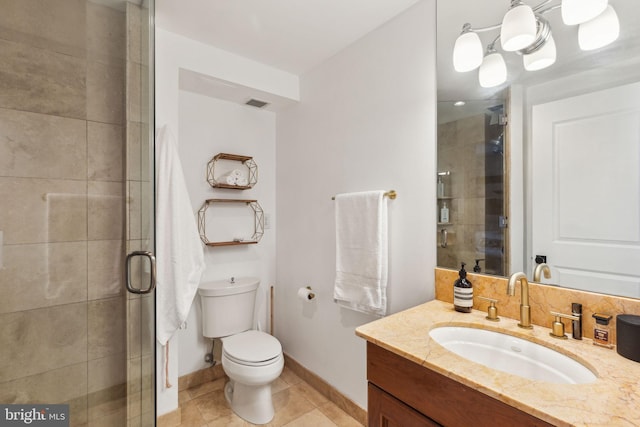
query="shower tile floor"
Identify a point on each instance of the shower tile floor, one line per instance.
(297, 404)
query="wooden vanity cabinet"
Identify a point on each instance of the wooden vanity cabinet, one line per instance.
(387, 411)
(403, 393)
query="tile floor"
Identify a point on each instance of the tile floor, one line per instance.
(297, 404)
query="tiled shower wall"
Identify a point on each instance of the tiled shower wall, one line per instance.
(62, 304)
(461, 150)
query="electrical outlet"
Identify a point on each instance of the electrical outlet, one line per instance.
(541, 259)
(267, 221)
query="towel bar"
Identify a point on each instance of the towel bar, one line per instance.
(390, 194)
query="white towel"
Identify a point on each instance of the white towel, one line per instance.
(361, 252)
(233, 177)
(227, 178)
(179, 252)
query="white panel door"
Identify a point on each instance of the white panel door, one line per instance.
(586, 189)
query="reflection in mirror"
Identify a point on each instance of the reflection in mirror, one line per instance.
(570, 148)
(471, 186)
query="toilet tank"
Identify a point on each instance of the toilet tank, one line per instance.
(227, 306)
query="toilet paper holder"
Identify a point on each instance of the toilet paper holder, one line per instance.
(311, 295)
(306, 294)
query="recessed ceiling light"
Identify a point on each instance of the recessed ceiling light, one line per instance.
(459, 103)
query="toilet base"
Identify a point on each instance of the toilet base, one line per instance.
(251, 403)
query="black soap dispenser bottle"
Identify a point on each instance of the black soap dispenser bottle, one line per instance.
(462, 292)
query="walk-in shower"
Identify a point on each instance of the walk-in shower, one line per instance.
(471, 148)
(76, 195)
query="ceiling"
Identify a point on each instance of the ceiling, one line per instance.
(290, 35)
(297, 35)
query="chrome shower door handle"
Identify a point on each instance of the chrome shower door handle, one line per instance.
(152, 272)
(443, 237)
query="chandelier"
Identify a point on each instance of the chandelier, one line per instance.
(525, 31)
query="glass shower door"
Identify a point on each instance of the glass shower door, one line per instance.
(76, 195)
(139, 216)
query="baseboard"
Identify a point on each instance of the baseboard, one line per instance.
(327, 390)
(194, 379)
(200, 377)
(170, 419)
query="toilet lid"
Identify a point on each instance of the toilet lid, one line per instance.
(252, 346)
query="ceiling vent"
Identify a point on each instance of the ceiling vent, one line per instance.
(256, 103)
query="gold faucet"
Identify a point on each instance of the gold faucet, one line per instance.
(541, 268)
(525, 309)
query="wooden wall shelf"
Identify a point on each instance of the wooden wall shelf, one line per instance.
(258, 215)
(232, 243)
(247, 161)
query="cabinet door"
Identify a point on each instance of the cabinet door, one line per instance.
(387, 411)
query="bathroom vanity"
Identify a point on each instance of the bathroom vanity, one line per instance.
(415, 381)
(397, 386)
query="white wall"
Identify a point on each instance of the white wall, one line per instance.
(210, 126)
(175, 55)
(366, 121)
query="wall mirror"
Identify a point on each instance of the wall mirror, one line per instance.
(545, 165)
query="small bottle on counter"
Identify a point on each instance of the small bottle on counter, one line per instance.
(462, 292)
(601, 332)
(440, 187)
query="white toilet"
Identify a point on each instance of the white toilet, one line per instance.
(251, 359)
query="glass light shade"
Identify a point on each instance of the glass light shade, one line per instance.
(600, 31)
(541, 58)
(467, 52)
(493, 70)
(518, 28)
(578, 11)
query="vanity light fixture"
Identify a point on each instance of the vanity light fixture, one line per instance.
(525, 31)
(578, 11)
(467, 53)
(493, 71)
(519, 27)
(459, 103)
(542, 57)
(600, 31)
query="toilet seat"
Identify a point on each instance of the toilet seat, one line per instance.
(252, 348)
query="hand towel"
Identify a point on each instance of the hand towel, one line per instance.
(179, 252)
(361, 252)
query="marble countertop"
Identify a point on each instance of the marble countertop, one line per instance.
(612, 400)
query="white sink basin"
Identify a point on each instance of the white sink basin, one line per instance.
(512, 355)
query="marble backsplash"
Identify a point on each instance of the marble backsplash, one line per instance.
(542, 299)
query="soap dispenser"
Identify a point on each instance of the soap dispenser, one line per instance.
(462, 292)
